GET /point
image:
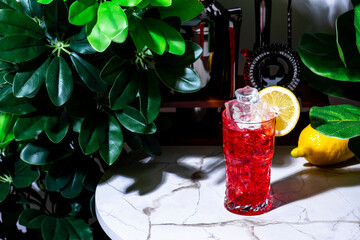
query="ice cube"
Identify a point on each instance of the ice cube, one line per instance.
(248, 108)
(247, 95)
(266, 112)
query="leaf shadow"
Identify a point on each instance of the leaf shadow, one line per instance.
(313, 181)
(148, 173)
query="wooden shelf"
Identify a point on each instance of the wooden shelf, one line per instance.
(203, 126)
(212, 103)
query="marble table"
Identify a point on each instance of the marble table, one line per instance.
(179, 196)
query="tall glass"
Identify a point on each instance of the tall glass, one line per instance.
(248, 150)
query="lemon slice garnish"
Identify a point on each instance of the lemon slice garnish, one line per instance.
(285, 104)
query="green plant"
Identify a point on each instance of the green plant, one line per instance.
(332, 66)
(78, 80)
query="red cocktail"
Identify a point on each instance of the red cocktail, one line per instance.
(248, 150)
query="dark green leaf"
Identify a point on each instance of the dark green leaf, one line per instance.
(133, 140)
(75, 209)
(96, 38)
(125, 88)
(185, 9)
(25, 175)
(111, 149)
(81, 103)
(7, 122)
(5, 6)
(20, 48)
(341, 121)
(82, 12)
(92, 133)
(81, 45)
(28, 127)
(92, 206)
(136, 32)
(151, 145)
(8, 77)
(175, 43)
(192, 53)
(14, 23)
(342, 89)
(354, 146)
(10, 104)
(78, 229)
(54, 228)
(75, 185)
(6, 66)
(4, 190)
(92, 177)
(112, 68)
(59, 81)
(39, 152)
(346, 40)
(56, 18)
(134, 121)
(111, 19)
(183, 80)
(27, 83)
(357, 25)
(59, 175)
(143, 4)
(89, 74)
(31, 218)
(320, 54)
(57, 126)
(150, 97)
(32, 8)
(127, 3)
(11, 4)
(76, 124)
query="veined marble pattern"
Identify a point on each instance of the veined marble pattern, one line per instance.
(179, 196)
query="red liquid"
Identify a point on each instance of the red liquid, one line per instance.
(248, 154)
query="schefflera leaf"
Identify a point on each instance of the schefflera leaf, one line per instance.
(59, 81)
(92, 133)
(20, 48)
(150, 97)
(82, 12)
(175, 43)
(88, 73)
(98, 40)
(13, 22)
(27, 83)
(185, 9)
(111, 149)
(111, 19)
(127, 3)
(184, 80)
(134, 121)
(57, 126)
(161, 3)
(124, 89)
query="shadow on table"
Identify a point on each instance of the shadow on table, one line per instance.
(147, 172)
(312, 181)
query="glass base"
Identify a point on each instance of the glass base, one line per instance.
(249, 209)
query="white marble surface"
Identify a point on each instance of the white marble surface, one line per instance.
(179, 196)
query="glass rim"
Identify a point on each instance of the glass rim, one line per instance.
(265, 121)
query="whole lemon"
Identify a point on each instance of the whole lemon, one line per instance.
(319, 149)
